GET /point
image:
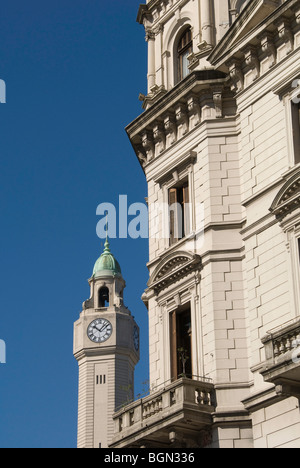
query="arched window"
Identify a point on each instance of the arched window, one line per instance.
(103, 297)
(185, 48)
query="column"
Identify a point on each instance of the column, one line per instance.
(150, 38)
(206, 22)
(158, 55)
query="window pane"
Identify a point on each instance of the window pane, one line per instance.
(185, 47)
(296, 131)
(185, 64)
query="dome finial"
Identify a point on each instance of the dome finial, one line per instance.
(106, 245)
(107, 265)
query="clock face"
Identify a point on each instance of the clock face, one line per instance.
(99, 330)
(136, 338)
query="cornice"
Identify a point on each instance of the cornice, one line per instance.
(157, 11)
(258, 46)
(242, 29)
(202, 77)
(96, 352)
(288, 198)
(177, 113)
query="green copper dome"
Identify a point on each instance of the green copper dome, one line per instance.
(106, 265)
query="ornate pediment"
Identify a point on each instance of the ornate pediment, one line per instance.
(251, 21)
(288, 198)
(173, 268)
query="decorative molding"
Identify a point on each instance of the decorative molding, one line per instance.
(297, 14)
(150, 35)
(194, 110)
(218, 101)
(268, 47)
(182, 119)
(171, 129)
(243, 37)
(176, 122)
(183, 161)
(288, 198)
(286, 34)
(148, 145)
(159, 139)
(236, 75)
(173, 268)
(251, 61)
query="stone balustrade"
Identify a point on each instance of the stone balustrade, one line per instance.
(282, 365)
(282, 340)
(164, 409)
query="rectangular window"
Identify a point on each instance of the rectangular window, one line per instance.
(296, 130)
(181, 343)
(100, 379)
(179, 213)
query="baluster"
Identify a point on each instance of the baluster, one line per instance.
(276, 349)
(282, 347)
(288, 343)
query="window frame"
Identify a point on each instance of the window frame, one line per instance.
(173, 175)
(183, 49)
(295, 128)
(176, 342)
(180, 222)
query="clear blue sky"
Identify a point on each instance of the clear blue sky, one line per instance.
(73, 69)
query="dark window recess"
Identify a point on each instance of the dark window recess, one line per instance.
(185, 48)
(181, 343)
(179, 217)
(296, 130)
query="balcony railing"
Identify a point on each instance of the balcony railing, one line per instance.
(282, 340)
(185, 402)
(282, 366)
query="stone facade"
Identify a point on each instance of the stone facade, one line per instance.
(224, 141)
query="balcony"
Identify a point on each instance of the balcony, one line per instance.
(170, 417)
(282, 366)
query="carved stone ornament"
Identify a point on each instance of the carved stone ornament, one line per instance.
(268, 48)
(285, 33)
(218, 101)
(176, 266)
(159, 138)
(236, 75)
(252, 62)
(194, 110)
(182, 119)
(288, 198)
(148, 146)
(171, 129)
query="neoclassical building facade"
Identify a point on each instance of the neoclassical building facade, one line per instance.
(219, 143)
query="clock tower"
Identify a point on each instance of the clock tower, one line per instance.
(106, 346)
